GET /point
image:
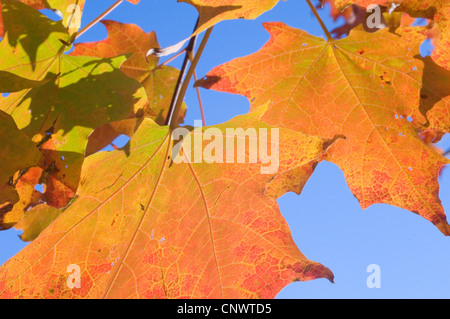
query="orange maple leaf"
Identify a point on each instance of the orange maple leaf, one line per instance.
(366, 87)
(436, 10)
(146, 227)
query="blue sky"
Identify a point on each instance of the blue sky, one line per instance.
(326, 220)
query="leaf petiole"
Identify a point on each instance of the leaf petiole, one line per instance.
(173, 58)
(173, 122)
(319, 19)
(188, 53)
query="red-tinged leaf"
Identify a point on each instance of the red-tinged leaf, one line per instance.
(366, 87)
(17, 153)
(146, 227)
(355, 16)
(335, 13)
(28, 197)
(436, 10)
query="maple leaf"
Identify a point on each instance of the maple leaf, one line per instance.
(31, 42)
(436, 10)
(79, 94)
(158, 81)
(212, 12)
(366, 87)
(146, 227)
(61, 115)
(17, 153)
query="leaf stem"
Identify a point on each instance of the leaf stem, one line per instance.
(173, 58)
(200, 103)
(173, 123)
(93, 22)
(319, 19)
(183, 70)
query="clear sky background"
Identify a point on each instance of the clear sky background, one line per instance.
(326, 220)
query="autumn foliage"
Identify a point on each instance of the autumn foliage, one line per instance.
(141, 226)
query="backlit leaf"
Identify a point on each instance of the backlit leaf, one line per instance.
(212, 12)
(82, 94)
(158, 81)
(17, 153)
(366, 87)
(146, 227)
(436, 10)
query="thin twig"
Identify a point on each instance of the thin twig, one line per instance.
(319, 19)
(199, 97)
(93, 22)
(183, 71)
(174, 124)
